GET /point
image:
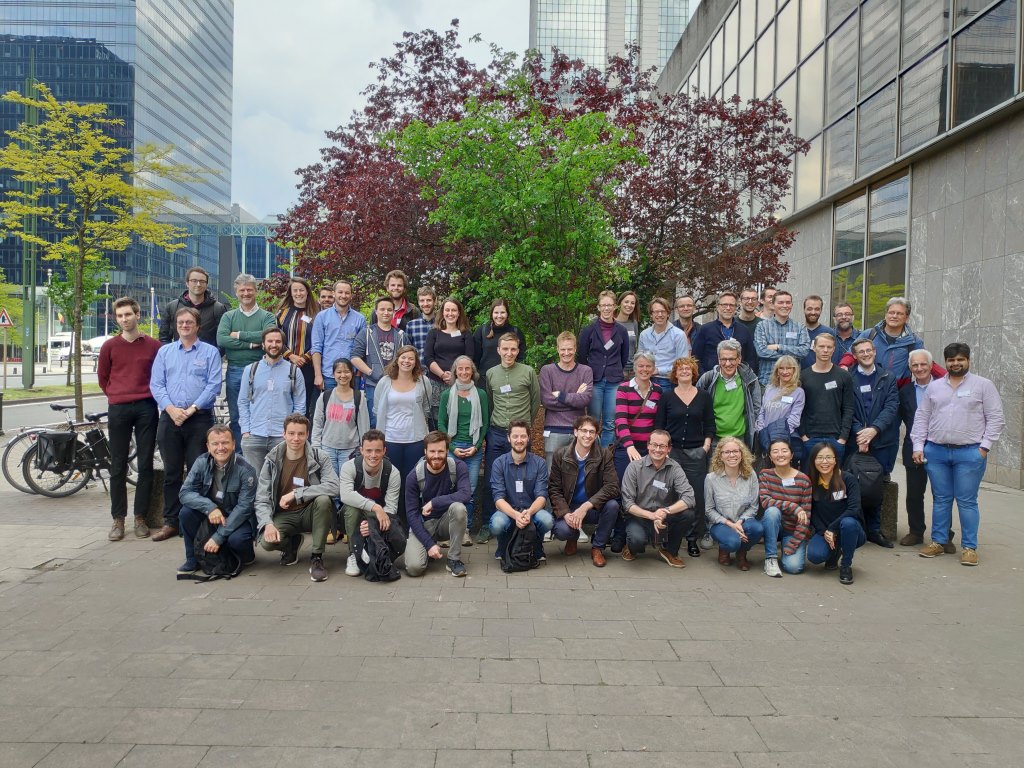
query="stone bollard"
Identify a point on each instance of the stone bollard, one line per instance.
(890, 509)
(155, 513)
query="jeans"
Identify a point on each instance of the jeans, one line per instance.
(368, 396)
(179, 448)
(233, 384)
(604, 517)
(497, 445)
(851, 536)
(314, 518)
(312, 393)
(450, 526)
(255, 449)
(501, 527)
(554, 441)
(403, 457)
(729, 540)
(663, 382)
(330, 383)
(239, 542)
(602, 408)
(640, 532)
(838, 447)
(473, 466)
(955, 474)
(621, 460)
(772, 525)
(694, 462)
(338, 456)
(140, 416)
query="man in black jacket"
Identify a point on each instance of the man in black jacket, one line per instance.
(198, 298)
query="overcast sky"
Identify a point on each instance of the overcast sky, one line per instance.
(300, 65)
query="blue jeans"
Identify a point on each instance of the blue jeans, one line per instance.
(403, 456)
(602, 408)
(368, 396)
(663, 382)
(772, 524)
(730, 541)
(838, 447)
(239, 542)
(955, 474)
(329, 382)
(338, 456)
(851, 536)
(233, 380)
(497, 445)
(795, 562)
(473, 465)
(501, 527)
(255, 449)
(604, 517)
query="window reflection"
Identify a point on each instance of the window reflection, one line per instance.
(880, 24)
(838, 10)
(766, 64)
(984, 62)
(839, 151)
(876, 139)
(886, 278)
(786, 39)
(850, 226)
(812, 25)
(811, 98)
(848, 286)
(923, 101)
(842, 70)
(888, 225)
(808, 175)
(924, 26)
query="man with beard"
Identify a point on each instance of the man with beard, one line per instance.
(197, 297)
(686, 308)
(519, 487)
(845, 334)
(395, 284)
(812, 314)
(334, 331)
(326, 297)
(724, 327)
(779, 335)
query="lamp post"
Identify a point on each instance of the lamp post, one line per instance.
(106, 312)
(49, 314)
(152, 307)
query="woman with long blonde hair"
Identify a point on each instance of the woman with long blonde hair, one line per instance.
(731, 500)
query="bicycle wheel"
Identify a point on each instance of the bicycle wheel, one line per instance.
(14, 455)
(56, 485)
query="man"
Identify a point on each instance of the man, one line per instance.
(199, 298)
(418, 328)
(876, 425)
(584, 489)
(374, 349)
(221, 487)
(828, 401)
(272, 389)
(917, 478)
(369, 489)
(296, 493)
(185, 383)
(813, 306)
(326, 298)
(514, 393)
(768, 294)
(893, 340)
(960, 418)
(436, 507)
(240, 335)
(395, 283)
(685, 310)
(735, 395)
(519, 486)
(779, 335)
(124, 370)
(724, 327)
(663, 340)
(334, 331)
(566, 389)
(658, 501)
(748, 316)
(845, 333)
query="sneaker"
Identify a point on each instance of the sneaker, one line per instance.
(627, 555)
(771, 567)
(969, 557)
(846, 574)
(351, 566)
(671, 559)
(933, 550)
(331, 540)
(187, 568)
(541, 557)
(949, 548)
(290, 556)
(141, 529)
(583, 535)
(483, 535)
(456, 568)
(317, 572)
(467, 540)
(832, 562)
(706, 542)
(116, 530)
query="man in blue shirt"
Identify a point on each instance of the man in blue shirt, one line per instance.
(724, 327)
(846, 334)
(663, 340)
(270, 391)
(185, 383)
(334, 331)
(813, 306)
(779, 335)
(519, 485)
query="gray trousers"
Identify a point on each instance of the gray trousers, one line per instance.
(255, 449)
(554, 441)
(451, 525)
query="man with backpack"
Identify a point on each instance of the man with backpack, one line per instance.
(519, 486)
(220, 489)
(436, 494)
(369, 489)
(270, 392)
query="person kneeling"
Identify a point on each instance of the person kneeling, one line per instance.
(221, 488)
(295, 494)
(731, 500)
(519, 486)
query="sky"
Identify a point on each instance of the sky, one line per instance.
(300, 66)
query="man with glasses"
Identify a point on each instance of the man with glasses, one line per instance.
(724, 327)
(196, 296)
(845, 333)
(663, 340)
(735, 395)
(686, 308)
(748, 316)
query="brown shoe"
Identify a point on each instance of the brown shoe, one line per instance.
(671, 559)
(911, 540)
(116, 530)
(597, 557)
(741, 560)
(570, 547)
(627, 555)
(949, 548)
(141, 529)
(723, 557)
(166, 532)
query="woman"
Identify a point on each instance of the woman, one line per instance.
(781, 408)
(836, 515)
(295, 317)
(628, 316)
(464, 414)
(402, 402)
(447, 340)
(688, 415)
(485, 338)
(730, 502)
(604, 347)
(786, 501)
(636, 402)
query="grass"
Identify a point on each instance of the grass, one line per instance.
(55, 391)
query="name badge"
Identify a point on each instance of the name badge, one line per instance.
(650, 405)
(660, 485)
(788, 482)
(219, 495)
(865, 387)
(298, 481)
(787, 399)
(830, 385)
(270, 385)
(790, 335)
(519, 486)
(609, 344)
(307, 319)
(963, 393)
(505, 389)
(631, 333)
(455, 334)
(838, 495)
(547, 433)
(730, 385)
(348, 406)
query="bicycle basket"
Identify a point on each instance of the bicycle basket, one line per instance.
(97, 441)
(55, 451)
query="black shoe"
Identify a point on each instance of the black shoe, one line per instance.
(290, 556)
(617, 545)
(846, 574)
(832, 562)
(876, 537)
(692, 549)
(317, 572)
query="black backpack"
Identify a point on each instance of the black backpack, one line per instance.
(521, 552)
(870, 475)
(222, 564)
(374, 557)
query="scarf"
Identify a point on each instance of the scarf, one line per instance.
(475, 415)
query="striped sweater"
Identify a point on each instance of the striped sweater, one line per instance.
(634, 419)
(297, 331)
(787, 499)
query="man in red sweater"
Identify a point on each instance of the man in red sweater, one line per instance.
(124, 367)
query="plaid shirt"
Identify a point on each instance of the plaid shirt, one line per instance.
(791, 337)
(417, 331)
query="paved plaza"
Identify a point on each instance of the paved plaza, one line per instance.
(106, 660)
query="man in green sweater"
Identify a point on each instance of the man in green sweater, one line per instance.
(240, 335)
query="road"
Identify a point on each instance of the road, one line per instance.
(36, 414)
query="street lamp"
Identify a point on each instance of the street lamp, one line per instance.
(49, 314)
(152, 307)
(106, 313)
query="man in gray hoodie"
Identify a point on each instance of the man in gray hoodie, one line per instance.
(375, 348)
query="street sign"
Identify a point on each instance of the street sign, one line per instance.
(5, 319)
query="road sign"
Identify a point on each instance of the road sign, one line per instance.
(5, 319)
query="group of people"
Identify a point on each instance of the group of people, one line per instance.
(378, 431)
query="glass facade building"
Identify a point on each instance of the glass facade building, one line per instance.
(165, 68)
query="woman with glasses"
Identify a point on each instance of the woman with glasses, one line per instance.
(730, 502)
(782, 405)
(786, 501)
(836, 515)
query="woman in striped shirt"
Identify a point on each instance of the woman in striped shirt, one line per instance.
(786, 501)
(295, 317)
(636, 402)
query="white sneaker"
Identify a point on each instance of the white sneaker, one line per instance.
(583, 535)
(771, 567)
(706, 542)
(351, 567)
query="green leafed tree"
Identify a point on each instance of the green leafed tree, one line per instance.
(94, 193)
(64, 296)
(533, 188)
(10, 299)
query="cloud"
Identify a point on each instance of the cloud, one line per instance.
(299, 67)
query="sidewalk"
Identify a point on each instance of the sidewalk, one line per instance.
(106, 660)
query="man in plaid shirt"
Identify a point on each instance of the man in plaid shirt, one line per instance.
(779, 335)
(418, 329)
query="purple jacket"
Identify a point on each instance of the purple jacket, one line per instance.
(607, 364)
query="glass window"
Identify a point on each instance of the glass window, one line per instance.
(966, 10)
(786, 93)
(748, 11)
(745, 84)
(850, 230)
(786, 39)
(842, 70)
(876, 139)
(731, 30)
(887, 276)
(839, 153)
(812, 25)
(810, 108)
(879, 44)
(923, 101)
(808, 175)
(716, 60)
(765, 65)
(765, 12)
(924, 27)
(838, 11)
(729, 89)
(848, 286)
(705, 74)
(888, 220)
(983, 59)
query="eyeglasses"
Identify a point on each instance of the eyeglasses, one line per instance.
(657, 446)
(730, 453)
(723, 305)
(586, 431)
(826, 459)
(195, 281)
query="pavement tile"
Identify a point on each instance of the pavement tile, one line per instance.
(481, 647)
(242, 757)
(511, 731)
(509, 671)
(84, 756)
(529, 758)
(24, 755)
(163, 756)
(474, 758)
(569, 671)
(395, 758)
(737, 701)
(18, 723)
(725, 759)
(544, 700)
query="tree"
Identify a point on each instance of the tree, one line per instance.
(95, 194)
(63, 295)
